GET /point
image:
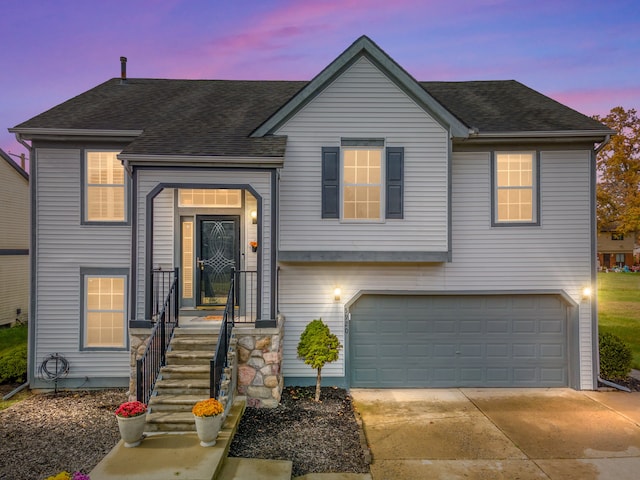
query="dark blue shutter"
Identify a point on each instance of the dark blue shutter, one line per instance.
(395, 180)
(330, 182)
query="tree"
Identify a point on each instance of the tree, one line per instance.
(317, 347)
(618, 165)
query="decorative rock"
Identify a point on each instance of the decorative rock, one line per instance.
(258, 380)
(270, 403)
(271, 381)
(270, 357)
(256, 362)
(243, 354)
(246, 375)
(259, 392)
(247, 342)
(263, 343)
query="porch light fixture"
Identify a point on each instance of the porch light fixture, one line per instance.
(336, 294)
(586, 292)
(254, 217)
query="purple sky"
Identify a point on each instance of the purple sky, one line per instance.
(583, 53)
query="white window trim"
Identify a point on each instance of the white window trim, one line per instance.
(85, 191)
(85, 275)
(535, 189)
(382, 217)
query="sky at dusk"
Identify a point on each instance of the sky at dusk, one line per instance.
(583, 53)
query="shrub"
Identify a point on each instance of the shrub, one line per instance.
(13, 364)
(615, 357)
(318, 346)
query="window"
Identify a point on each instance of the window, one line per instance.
(104, 188)
(358, 185)
(515, 194)
(209, 198)
(104, 310)
(617, 236)
(362, 187)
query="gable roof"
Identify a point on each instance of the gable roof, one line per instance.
(237, 118)
(364, 46)
(5, 156)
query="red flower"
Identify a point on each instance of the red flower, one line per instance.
(131, 409)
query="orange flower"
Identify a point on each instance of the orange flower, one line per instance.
(207, 408)
(253, 244)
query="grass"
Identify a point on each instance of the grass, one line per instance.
(619, 309)
(10, 338)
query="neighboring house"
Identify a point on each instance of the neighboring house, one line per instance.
(445, 231)
(14, 242)
(615, 249)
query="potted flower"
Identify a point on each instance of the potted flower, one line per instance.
(254, 246)
(208, 416)
(131, 421)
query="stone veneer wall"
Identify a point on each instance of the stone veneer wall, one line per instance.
(259, 352)
(138, 338)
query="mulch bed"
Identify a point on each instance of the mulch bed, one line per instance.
(317, 437)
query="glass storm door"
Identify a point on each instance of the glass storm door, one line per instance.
(218, 252)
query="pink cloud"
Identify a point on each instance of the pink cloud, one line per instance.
(599, 101)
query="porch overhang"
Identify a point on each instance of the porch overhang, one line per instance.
(201, 161)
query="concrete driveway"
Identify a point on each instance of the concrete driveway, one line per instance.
(501, 434)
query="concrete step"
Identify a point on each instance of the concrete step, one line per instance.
(189, 357)
(195, 342)
(255, 469)
(197, 330)
(185, 371)
(191, 386)
(170, 422)
(174, 403)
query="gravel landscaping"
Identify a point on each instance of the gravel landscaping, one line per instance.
(45, 434)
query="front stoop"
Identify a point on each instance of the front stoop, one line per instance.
(168, 456)
(255, 469)
(183, 381)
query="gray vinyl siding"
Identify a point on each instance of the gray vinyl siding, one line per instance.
(554, 256)
(149, 179)
(364, 103)
(62, 247)
(163, 226)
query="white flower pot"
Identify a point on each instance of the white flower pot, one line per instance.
(208, 429)
(132, 430)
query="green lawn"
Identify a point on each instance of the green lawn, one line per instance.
(619, 308)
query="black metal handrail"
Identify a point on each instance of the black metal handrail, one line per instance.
(241, 307)
(219, 360)
(166, 320)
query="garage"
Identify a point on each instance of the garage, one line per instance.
(443, 341)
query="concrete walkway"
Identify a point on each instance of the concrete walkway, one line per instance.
(501, 434)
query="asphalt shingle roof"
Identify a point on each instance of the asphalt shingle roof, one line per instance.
(216, 117)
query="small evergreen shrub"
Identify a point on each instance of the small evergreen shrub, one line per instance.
(615, 357)
(318, 346)
(13, 364)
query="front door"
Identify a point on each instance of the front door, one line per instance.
(218, 252)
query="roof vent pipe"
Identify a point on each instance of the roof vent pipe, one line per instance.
(123, 69)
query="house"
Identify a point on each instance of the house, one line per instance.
(445, 231)
(615, 249)
(14, 242)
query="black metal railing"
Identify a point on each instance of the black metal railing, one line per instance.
(166, 320)
(241, 307)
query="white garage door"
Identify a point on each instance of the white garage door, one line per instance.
(458, 341)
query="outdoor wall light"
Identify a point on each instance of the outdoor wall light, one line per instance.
(586, 292)
(254, 217)
(336, 294)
